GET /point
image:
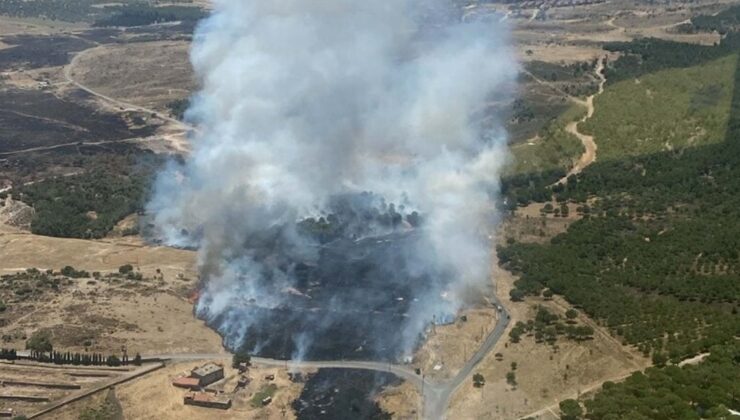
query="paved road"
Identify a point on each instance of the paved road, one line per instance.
(436, 395)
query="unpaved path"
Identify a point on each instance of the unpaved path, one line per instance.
(174, 138)
(553, 408)
(589, 156)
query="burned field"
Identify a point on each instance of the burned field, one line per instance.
(342, 394)
(348, 295)
(32, 119)
(352, 307)
(33, 52)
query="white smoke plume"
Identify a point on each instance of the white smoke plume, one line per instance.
(302, 100)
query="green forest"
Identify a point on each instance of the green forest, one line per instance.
(656, 257)
(90, 204)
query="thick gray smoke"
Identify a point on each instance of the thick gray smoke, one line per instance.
(306, 100)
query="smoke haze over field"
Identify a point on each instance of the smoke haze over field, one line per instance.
(304, 101)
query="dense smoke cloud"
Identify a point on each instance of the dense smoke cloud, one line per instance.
(303, 101)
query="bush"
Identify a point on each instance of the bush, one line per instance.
(40, 341)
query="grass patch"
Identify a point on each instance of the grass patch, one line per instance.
(264, 392)
(669, 110)
(554, 148)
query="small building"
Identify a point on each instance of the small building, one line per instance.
(187, 382)
(208, 400)
(270, 377)
(243, 381)
(208, 373)
(243, 367)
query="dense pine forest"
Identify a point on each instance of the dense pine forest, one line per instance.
(656, 257)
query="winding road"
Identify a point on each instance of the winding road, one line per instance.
(178, 144)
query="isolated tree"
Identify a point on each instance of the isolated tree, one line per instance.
(511, 378)
(516, 295)
(137, 360)
(125, 269)
(478, 380)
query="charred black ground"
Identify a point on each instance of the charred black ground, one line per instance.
(342, 394)
(352, 302)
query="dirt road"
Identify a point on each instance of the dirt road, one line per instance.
(174, 123)
(589, 156)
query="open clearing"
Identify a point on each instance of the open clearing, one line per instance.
(153, 315)
(125, 72)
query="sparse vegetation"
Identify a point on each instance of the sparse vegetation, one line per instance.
(266, 391)
(40, 342)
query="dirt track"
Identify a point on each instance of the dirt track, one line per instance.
(180, 127)
(589, 156)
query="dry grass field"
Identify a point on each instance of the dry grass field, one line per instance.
(125, 72)
(149, 316)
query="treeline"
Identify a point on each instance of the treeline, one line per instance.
(723, 22)
(144, 14)
(649, 55)
(64, 10)
(357, 215)
(8, 354)
(83, 359)
(703, 391)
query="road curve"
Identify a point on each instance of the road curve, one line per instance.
(436, 395)
(121, 104)
(589, 155)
